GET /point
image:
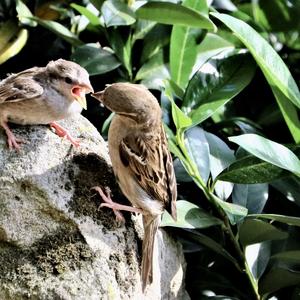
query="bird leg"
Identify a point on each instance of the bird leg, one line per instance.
(13, 142)
(61, 132)
(116, 207)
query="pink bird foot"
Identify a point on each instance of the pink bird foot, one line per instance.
(12, 141)
(61, 132)
(116, 207)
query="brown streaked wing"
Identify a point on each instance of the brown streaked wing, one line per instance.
(21, 86)
(148, 158)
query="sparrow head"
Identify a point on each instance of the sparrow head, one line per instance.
(133, 101)
(70, 79)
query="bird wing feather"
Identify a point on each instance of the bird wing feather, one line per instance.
(21, 86)
(150, 161)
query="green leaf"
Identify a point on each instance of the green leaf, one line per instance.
(183, 53)
(154, 41)
(292, 257)
(59, 30)
(198, 150)
(258, 257)
(94, 20)
(121, 45)
(289, 187)
(24, 14)
(234, 212)
(270, 62)
(117, 13)
(269, 151)
(180, 171)
(211, 45)
(251, 196)
(95, 59)
(97, 4)
(220, 157)
(278, 278)
(142, 28)
(183, 47)
(174, 14)
(251, 170)
(216, 83)
(254, 231)
(279, 218)
(289, 113)
(210, 243)
(190, 216)
(181, 120)
(267, 13)
(154, 67)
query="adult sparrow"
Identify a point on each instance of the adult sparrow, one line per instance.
(43, 95)
(141, 161)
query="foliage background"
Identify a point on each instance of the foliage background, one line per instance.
(226, 74)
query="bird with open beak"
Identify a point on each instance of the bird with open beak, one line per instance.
(43, 95)
(141, 161)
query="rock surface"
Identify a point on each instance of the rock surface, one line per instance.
(54, 241)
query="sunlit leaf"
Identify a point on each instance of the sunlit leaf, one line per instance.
(269, 151)
(191, 216)
(171, 13)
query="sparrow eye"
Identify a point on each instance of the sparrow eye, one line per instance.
(68, 80)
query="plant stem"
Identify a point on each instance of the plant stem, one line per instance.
(194, 173)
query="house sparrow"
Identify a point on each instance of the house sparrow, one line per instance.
(43, 95)
(141, 161)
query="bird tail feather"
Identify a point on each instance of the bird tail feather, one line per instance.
(150, 228)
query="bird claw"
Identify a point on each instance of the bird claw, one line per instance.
(61, 132)
(109, 203)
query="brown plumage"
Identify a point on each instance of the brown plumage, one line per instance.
(43, 95)
(141, 160)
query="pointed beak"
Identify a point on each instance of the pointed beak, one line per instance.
(98, 95)
(79, 91)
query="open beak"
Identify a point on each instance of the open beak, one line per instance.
(79, 91)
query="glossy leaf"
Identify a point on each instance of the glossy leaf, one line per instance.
(234, 212)
(181, 120)
(269, 151)
(190, 216)
(254, 231)
(183, 47)
(211, 45)
(220, 157)
(251, 196)
(198, 150)
(251, 170)
(278, 278)
(216, 83)
(279, 218)
(95, 59)
(292, 257)
(117, 13)
(59, 30)
(183, 53)
(290, 187)
(266, 57)
(285, 11)
(258, 256)
(180, 171)
(121, 45)
(24, 14)
(174, 14)
(154, 67)
(94, 19)
(289, 112)
(210, 243)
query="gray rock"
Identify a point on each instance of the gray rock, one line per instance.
(54, 241)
